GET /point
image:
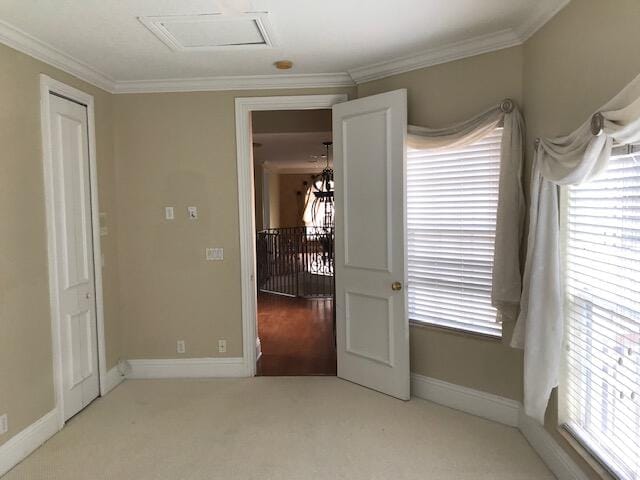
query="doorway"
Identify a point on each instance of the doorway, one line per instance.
(372, 327)
(68, 135)
(295, 236)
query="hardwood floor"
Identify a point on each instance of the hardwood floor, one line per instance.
(296, 336)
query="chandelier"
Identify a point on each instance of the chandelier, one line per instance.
(323, 189)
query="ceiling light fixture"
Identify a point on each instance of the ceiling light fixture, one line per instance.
(283, 64)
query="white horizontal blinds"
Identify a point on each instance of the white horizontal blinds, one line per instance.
(452, 198)
(602, 399)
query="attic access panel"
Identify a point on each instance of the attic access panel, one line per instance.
(211, 32)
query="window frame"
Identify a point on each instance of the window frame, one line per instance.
(606, 468)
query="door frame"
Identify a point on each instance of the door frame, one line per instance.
(246, 202)
(47, 86)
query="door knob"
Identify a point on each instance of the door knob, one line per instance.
(396, 286)
(88, 296)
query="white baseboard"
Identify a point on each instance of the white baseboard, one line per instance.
(558, 461)
(502, 410)
(113, 379)
(24, 443)
(188, 368)
(486, 405)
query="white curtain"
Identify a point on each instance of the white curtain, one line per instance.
(505, 295)
(568, 160)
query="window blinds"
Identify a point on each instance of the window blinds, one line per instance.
(601, 388)
(452, 199)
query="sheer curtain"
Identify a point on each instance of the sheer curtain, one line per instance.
(567, 160)
(506, 284)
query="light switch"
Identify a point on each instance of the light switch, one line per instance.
(215, 253)
(4, 424)
(193, 212)
(168, 213)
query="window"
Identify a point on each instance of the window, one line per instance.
(600, 391)
(452, 199)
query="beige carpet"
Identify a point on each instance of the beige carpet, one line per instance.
(276, 428)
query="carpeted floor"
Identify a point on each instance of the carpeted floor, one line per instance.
(269, 428)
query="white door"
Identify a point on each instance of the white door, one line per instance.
(372, 326)
(74, 253)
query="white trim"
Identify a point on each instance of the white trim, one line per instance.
(113, 378)
(558, 461)
(244, 107)
(21, 445)
(47, 85)
(29, 45)
(542, 14)
(475, 402)
(25, 43)
(436, 56)
(188, 368)
(502, 410)
(240, 82)
(510, 37)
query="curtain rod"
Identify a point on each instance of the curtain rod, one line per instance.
(597, 127)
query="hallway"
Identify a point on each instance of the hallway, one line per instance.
(296, 336)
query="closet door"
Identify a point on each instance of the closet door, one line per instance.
(74, 253)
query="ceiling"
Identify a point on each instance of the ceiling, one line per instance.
(331, 42)
(300, 152)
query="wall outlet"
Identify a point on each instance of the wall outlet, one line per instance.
(215, 254)
(222, 346)
(181, 348)
(193, 212)
(4, 424)
(168, 213)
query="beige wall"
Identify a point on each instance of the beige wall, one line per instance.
(26, 383)
(292, 196)
(439, 96)
(273, 180)
(291, 121)
(576, 63)
(258, 192)
(179, 149)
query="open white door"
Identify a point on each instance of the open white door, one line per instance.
(74, 253)
(372, 326)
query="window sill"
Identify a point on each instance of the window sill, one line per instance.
(585, 454)
(457, 331)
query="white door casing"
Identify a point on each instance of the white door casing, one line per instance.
(244, 107)
(372, 326)
(74, 260)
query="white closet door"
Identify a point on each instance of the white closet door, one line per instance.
(372, 326)
(74, 254)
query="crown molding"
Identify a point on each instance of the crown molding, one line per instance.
(543, 12)
(436, 56)
(541, 15)
(511, 37)
(242, 82)
(29, 45)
